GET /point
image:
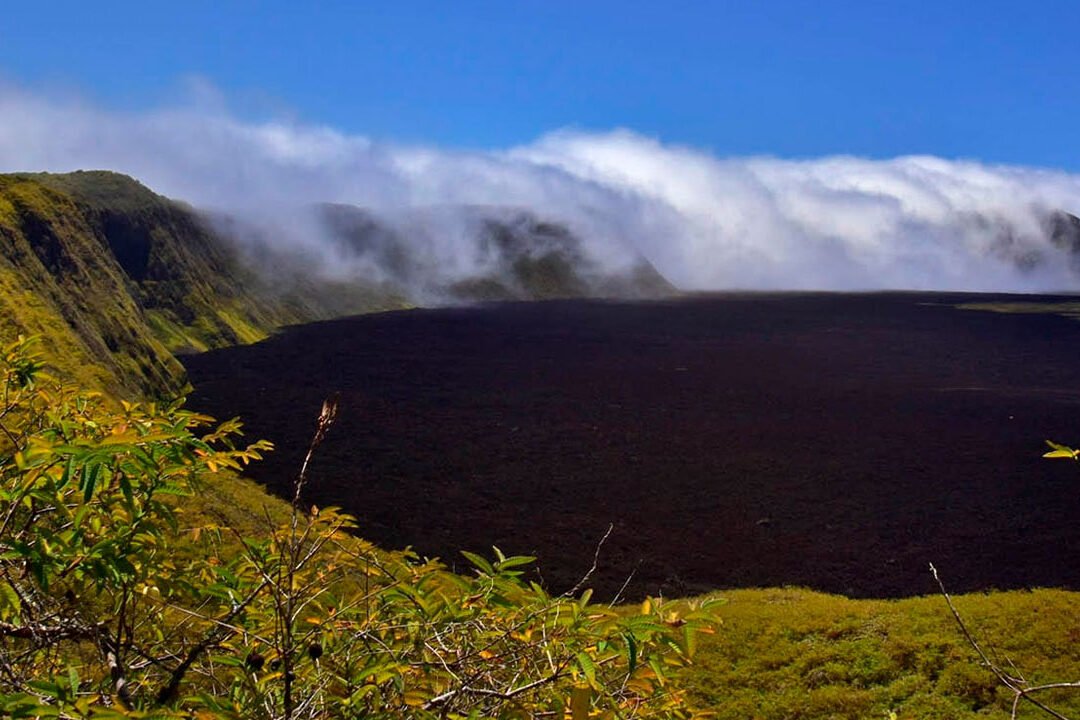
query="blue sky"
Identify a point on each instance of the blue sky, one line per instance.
(994, 81)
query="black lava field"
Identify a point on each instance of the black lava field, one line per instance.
(836, 441)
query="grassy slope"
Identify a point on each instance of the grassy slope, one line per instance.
(195, 292)
(56, 282)
(798, 654)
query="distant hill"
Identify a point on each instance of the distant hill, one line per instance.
(504, 254)
(117, 279)
(1064, 231)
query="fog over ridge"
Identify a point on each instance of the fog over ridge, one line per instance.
(705, 222)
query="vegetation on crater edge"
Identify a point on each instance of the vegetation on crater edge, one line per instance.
(113, 603)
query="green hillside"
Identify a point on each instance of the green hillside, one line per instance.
(60, 280)
(116, 279)
(195, 293)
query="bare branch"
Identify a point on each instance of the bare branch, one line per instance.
(595, 563)
(65, 630)
(220, 630)
(322, 426)
(1016, 686)
(498, 694)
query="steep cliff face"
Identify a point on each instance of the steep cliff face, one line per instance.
(116, 278)
(195, 291)
(59, 280)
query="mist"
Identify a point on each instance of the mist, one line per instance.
(705, 222)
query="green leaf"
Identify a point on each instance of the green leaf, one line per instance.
(479, 562)
(661, 675)
(579, 702)
(90, 476)
(583, 601)
(37, 569)
(1061, 451)
(631, 653)
(689, 642)
(1069, 454)
(11, 604)
(69, 469)
(588, 667)
(515, 561)
(125, 488)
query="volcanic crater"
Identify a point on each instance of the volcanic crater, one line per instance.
(836, 441)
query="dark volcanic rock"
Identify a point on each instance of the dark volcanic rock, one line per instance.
(841, 442)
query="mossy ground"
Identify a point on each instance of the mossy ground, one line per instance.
(58, 283)
(1069, 309)
(794, 653)
(24, 312)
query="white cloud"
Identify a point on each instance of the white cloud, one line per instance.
(706, 222)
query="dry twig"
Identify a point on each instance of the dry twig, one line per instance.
(1020, 687)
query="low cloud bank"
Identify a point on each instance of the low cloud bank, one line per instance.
(705, 222)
